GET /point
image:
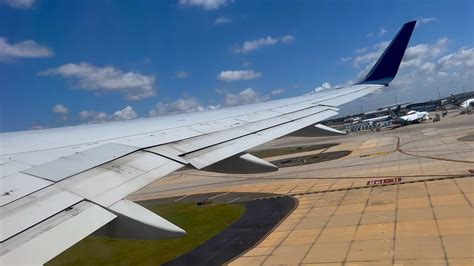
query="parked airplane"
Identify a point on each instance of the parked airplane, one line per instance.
(374, 121)
(466, 106)
(410, 118)
(60, 185)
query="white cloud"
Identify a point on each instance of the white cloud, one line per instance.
(181, 105)
(205, 4)
(364, 58)
(418, 54)
(360, 50)
(346, 59)
(37, 127)
(324, 86)
(250, 46)
(182, 74)
(214, 107)
(126, 113)
(277, 92)
(60, 109)
(379, 33)
(246, 63)
(23, 49)
(91, 116)
(135, 86)
(425, 67)
(19, 4)
(234, 75)
(246, 96)
(222, 20)
(421, 21)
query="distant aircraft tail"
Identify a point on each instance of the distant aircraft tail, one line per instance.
(384, 71)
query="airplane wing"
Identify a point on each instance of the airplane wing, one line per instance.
(60, 185)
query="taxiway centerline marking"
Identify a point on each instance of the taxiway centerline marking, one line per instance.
(233, 200)
(219, 195)
(183, 197)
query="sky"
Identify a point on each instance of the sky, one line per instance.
(84, 61)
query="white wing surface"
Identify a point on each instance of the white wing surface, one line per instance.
(60, 185)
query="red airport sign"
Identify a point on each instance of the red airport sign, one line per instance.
(384, 181)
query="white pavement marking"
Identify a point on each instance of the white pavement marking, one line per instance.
(233, 200)
(182, 198)
(219, 195)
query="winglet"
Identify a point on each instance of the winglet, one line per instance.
(386, 68)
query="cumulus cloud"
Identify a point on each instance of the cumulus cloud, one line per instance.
(205, 4)
(277, 91)
(422, 21)
(37, 126)
(324, 86)
(181, 105)
(253, 45)
(222, 20)
(126, 113)
(91, 116)
(134, 86)
(60, 109)
(23, 49)
(19, 4)
(246, 96)
(234, 75)
(368, 57)
(418, 54)
(61, 112)
(425, 66)
(182, 74)
(378, 33)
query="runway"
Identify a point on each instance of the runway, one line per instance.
(424, 218)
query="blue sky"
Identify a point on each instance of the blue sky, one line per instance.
(71, 62)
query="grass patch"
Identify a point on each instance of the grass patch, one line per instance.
(200, 223)
(291, 150)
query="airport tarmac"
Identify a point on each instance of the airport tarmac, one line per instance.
(424, 218)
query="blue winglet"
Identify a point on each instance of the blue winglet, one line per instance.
(386, 68)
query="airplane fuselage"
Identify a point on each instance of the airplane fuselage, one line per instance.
(411, 117)
(466, 106)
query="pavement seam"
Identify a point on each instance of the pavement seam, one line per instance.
(462, 192)
(357, 227)
(324, 227)
(301, 219)
(395, 225)
(437, 225)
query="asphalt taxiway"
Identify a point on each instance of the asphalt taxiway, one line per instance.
(425, 217)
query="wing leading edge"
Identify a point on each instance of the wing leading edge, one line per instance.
(50, 195)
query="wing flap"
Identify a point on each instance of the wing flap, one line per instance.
(34, 208)
(18, 185)
(111, 182)
(46, 240)
(68, 166)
